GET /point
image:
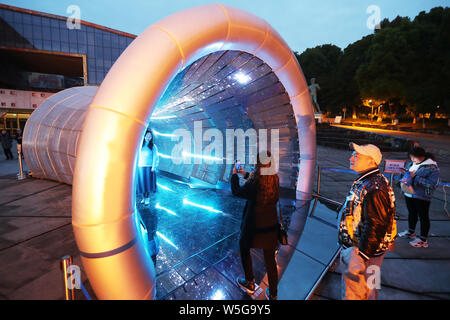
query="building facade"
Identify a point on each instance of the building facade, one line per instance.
(41, 54)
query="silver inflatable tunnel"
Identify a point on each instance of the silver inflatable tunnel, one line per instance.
(213, 63)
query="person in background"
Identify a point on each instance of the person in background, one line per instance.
(418, 184)
(367, 226)
(148, 162)
(259, 226)
(6, 144)
(19, 139)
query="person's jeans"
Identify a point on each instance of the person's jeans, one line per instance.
(271, 268)
(361, 280)
(418, 209)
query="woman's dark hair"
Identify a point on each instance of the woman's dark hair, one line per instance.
(420, 152)
(268, 185)
(150, 144)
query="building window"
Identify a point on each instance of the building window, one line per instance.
(37, 32)
(26, 18)
(56, 46)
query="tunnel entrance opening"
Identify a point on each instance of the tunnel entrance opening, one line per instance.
(192, 221)
(92, 137)
(226, 90)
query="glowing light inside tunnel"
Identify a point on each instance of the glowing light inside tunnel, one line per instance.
(242, 78)
(191, 155)
(214, 46)
(162, 117)
(186, 201)
(172, 104)
(163, 134)
(162, 155)
(218, 295)
(164, 187)
(166, 240)
(165, 209)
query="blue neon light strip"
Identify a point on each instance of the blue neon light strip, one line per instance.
(191, 155)
(162, 117)
(339, 170)
(166, 240)
(164, 156)
(164, 187)
(186, 201)
(164, 134)
(165, 209)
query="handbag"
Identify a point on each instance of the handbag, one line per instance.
(282, 234)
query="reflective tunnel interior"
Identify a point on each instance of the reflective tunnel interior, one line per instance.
(226, 90)
(192, 220)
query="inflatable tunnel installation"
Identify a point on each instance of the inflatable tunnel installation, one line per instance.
(215, 65)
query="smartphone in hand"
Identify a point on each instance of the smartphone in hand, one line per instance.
(238, 165)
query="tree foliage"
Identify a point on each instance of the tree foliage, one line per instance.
(406, 62)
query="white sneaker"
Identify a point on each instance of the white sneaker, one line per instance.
(419, 243)
(407, 234)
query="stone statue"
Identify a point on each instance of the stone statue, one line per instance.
(313, 87)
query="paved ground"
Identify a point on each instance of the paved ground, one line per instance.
(198, 260)
(35, 232)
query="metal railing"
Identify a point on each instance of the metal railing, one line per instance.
(20, 175)
(72, 279)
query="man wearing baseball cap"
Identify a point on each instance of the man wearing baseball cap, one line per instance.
(367, 226)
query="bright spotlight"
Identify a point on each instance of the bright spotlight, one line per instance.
(218, 295)
(242, 78)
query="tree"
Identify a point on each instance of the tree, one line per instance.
(406, 63)
(353, 56)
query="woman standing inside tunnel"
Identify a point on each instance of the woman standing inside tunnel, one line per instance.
(259, 226)
(148, 162)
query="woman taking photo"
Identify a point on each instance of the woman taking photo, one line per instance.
(418, 184)
(259, 226)
(148, 162)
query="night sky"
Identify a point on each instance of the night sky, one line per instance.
(302, 23)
